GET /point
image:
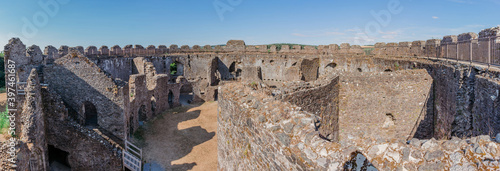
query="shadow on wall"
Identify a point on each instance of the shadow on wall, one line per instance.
(72, 81)
(424, 127)
(359, 162)
(227, 73)
(171, 144)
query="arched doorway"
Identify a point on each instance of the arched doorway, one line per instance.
(153, 104)
(90, 113)
(170, 98)
(142, 114)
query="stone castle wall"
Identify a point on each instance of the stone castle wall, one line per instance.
(131, 84)
(483, 47)
(256, 132)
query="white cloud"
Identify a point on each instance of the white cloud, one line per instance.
(434, 17)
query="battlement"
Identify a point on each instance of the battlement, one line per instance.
(484, 48)
(232, 46)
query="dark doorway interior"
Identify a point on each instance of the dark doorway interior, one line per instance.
(90, 113)
(216, 95)
(58, 157)
(170, 98)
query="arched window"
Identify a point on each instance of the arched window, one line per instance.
(170, 98)
(153, 104)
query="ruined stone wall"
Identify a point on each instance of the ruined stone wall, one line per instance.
(32, 136)
(117, 67)
(446, 97)
(309, 69)
(256, 132)
(25, 58)
(322, 101)
(383, 105)
(88, 149)
(258, 137)
(79, 80)
(148, 98)
(45, 121)
(486, 109)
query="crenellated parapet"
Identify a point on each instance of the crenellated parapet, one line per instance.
(466, 43)
(116, 50)
(51, 52)
(483, 47)
(91, 51)
(448, 47)
(232, 46)
(103, 50)
(63, 50)
(417, 48)
(35, 54)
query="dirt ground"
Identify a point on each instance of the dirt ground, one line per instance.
(183, 139)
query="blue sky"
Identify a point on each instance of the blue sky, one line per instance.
(190, 22)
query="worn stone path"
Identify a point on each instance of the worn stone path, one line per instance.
(184, 140)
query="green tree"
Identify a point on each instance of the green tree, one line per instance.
(173, 68)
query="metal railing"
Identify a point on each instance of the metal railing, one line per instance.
(481, 50)
(132, 157)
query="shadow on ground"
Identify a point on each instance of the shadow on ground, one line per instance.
(165, 143)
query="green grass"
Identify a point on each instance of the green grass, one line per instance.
(2, 73)
(4, 121)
